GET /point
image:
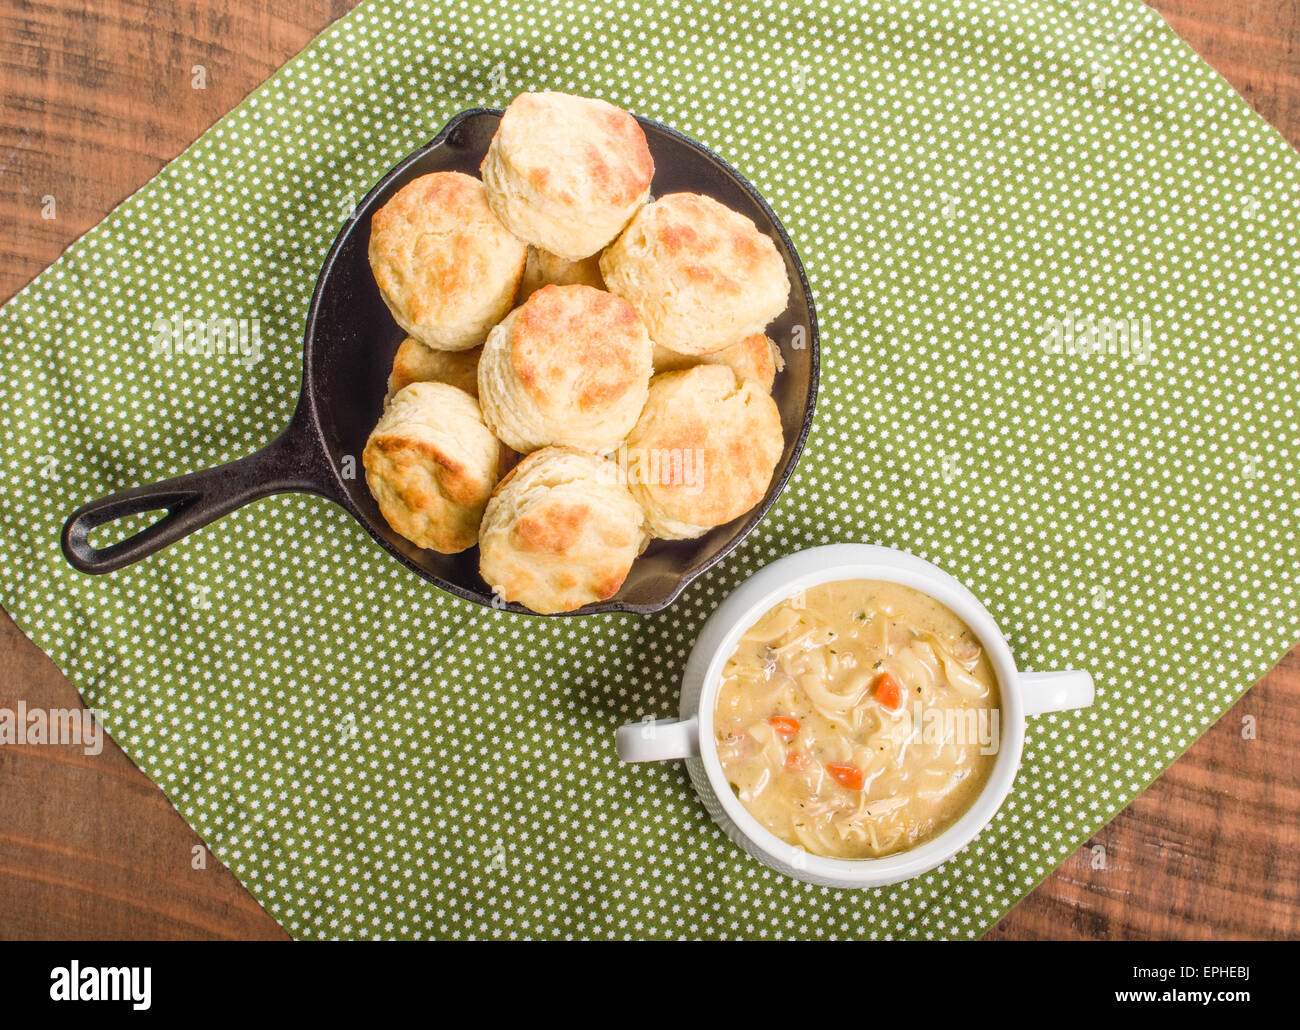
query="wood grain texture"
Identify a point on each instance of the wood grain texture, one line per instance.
(98, 96)
(96, 101)
(89, 847)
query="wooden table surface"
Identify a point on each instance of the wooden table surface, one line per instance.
(97, 98)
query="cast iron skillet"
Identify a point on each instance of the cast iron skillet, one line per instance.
(350, 342)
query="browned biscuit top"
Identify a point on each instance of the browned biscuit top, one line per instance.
(435, 245)
(578, 346)
(560, 531)
(712, 245)
(722, 429)
(577, 149)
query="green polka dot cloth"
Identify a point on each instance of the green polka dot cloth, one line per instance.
(1055, 260)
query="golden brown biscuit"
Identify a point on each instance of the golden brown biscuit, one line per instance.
(703, 451)
(431, 465)
(545, 269)
(416, 362)
(445, 266)
(755, 358)
(566, 173)
(560, 531)
(571, 367)
(701, 276)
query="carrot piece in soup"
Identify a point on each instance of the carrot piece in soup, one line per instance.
(786, 725)
(888, 692)
(846, 775)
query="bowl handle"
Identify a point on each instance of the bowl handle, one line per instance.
(1056, 691)
(657, 740)
(295, 460)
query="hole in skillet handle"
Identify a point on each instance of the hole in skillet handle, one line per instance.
(121, 529)
(85, 557)
(351, 340)
(291, 462)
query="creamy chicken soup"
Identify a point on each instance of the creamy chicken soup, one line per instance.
(857, 719)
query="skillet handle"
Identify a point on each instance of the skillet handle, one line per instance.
(293, 461)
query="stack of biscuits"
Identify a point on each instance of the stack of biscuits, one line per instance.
(585, 368)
